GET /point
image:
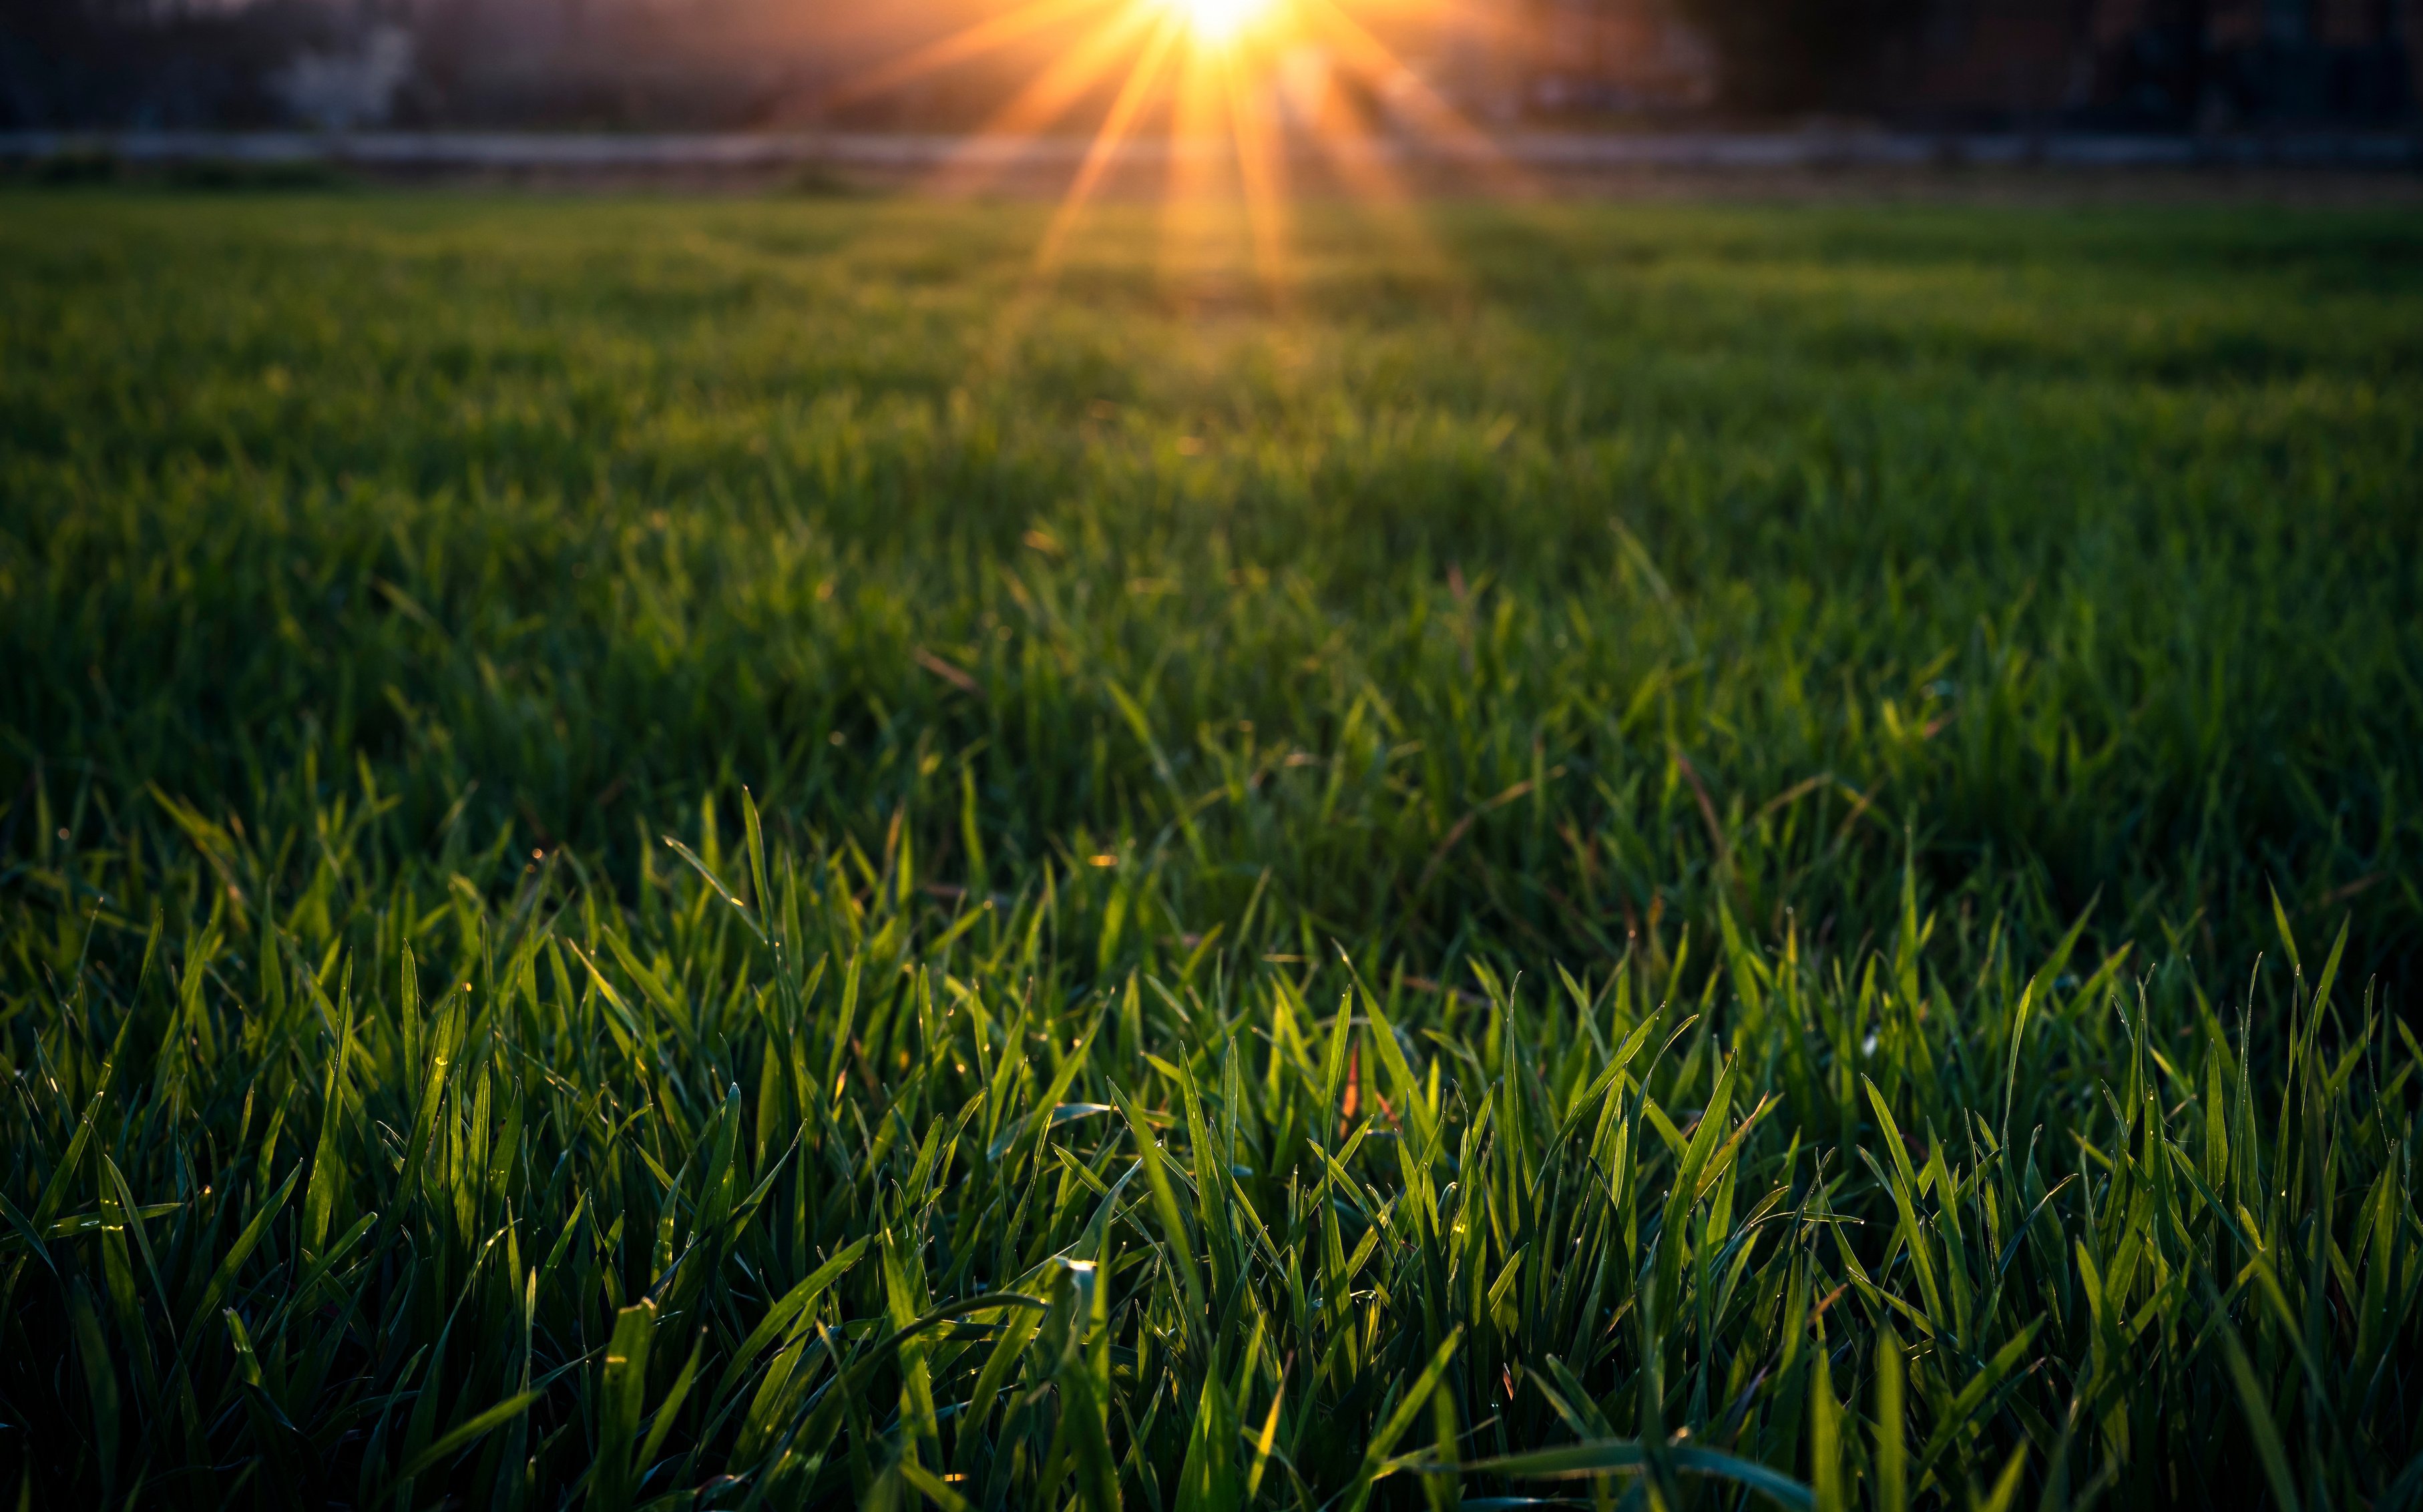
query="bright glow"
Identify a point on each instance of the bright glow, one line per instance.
(1220, 21)
(1241, 87)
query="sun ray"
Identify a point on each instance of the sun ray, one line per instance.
(1261, 175)
(1218, 24)
(1361, 163)
(1191, 212)
(1043, 101)
(1133, 96)
(962, 46)
(1220, 73)
(1431, 115)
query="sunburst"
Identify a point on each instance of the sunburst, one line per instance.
(1220, 22)
(1211, 69)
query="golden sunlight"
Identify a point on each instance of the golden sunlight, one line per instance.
(1221, 21)
(1239, 86)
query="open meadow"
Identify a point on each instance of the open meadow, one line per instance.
(723, 853)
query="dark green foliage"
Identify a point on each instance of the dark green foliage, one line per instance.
(709, 855)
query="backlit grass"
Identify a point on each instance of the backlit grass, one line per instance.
(709, 855)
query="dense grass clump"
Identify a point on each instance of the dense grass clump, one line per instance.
(716, 856)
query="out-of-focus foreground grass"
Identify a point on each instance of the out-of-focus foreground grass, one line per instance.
(1822, 733)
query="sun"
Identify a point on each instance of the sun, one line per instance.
(1219, 77)
(1221, 21)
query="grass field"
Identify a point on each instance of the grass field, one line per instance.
(713, 855)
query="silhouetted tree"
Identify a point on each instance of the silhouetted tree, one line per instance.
(120, 63)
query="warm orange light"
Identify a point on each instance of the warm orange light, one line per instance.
(1222, 21)
(1216, 66)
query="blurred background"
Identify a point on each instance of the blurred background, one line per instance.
(794, 65)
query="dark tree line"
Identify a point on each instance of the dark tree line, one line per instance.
(537, 64)
(217, 63)
(1787, 56)
(164, 63)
